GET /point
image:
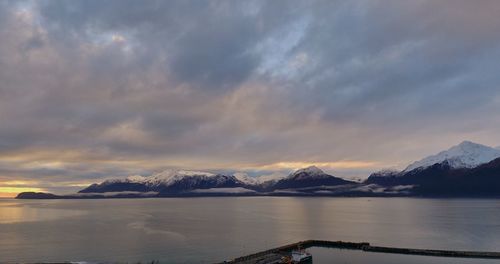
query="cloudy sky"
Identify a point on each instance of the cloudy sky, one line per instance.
(91, 90)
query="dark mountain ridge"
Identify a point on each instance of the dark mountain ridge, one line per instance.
(177, 182)
(441, 179)
(309, 177)
(190, 182)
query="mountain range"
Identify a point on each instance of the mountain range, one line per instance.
(172, 182)
(467, 169)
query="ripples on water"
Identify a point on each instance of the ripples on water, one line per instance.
(201, 230)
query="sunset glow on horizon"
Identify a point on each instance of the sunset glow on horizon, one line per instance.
(11, 192)
(92, 91)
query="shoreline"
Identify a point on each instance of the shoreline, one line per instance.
(50, 196)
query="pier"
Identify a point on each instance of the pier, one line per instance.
(271, 255)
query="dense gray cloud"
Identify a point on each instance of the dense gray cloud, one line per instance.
(92, 89)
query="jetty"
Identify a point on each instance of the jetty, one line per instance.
(273, 255)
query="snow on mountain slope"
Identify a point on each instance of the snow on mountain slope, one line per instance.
(166, 181)
(309, 177)
(465, 155)
(309, 172)
(181, 181)
(385, 173)
(166, 177)
(136, 178)
(245, 178)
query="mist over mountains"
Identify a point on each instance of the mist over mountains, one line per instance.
(467, 169)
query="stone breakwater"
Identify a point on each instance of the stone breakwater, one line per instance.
(364, 246)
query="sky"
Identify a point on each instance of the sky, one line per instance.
(92, 90)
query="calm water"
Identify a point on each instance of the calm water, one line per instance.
(201, 230)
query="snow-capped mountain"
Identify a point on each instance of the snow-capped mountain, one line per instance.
(308, 177)
(181, 181)
(441, 179)
(383, 176)
(464, 155)
(468, 169)
(166, 181)
(168, 177)
(308, 173)
(257, 180)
